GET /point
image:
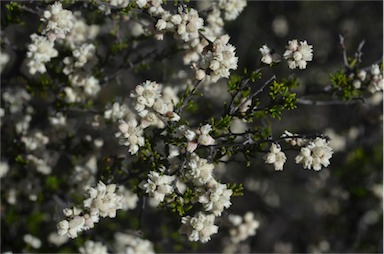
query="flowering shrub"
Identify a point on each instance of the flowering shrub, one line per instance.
(110, 123)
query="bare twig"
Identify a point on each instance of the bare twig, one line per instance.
(344, 50)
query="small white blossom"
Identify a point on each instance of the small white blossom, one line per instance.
(130, 134)
(4, 59)
(158, 186)
(204, 137)
(199, 171)
(33, 241)
(58, 21)
(293, 141)
(103, 201)
(200, 227)
(129, 198)
(116, 3)
(72, 227)
(266, 56)
(40, 164)
(81, 32)
(232, 8)
(298, 55)
(4, 168)
(131, 244)
(377, 81)
(315, 155)
(40, 52)
(91, 247)
(117, 111)
(220, 60)
(35, 141)
(275, 157)
(146, 94)
(56, 239)
(244, 227)
(216, 198)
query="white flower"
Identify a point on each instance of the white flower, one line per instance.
(59, 21)
(4, 167)
(4, 59)
(131, 135)
(204, 137)
(117, 111)
(40, 52)
(244, 228)
(315, 155)
(129, 198)
(189, 25)
(199, 171)
(81, 32)
(146, 94)
(91, 247)
(220, 60)
(298, 55)
(35, 141)
(33, 241)
(103, 201)
(266, 56)
(158, 186)
(275, 157)
(199, 227)
(216, 198)
(377, 81)
(40, 164)
(131, 244)
(232, 8)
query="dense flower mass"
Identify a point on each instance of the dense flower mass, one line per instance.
(298, 55)
(218, 62)
(137, 105)
(102, 201)
(158, 186)
(200, 227)
(232, 8)
(58, 21)
(315, 155)
(40, 52)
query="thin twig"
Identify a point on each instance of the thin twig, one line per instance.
(254, 94)
(344, 50)
(327, 103)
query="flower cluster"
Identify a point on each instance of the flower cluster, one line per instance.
(126, 243)
(275, 157)
(298, 55)
(158, 186)
(185, 25)
(40, 52)
(154, 106)
(200, 227)
(93, 247)
(315, 155)
(244, 227)
(200, 136)
(377, 81)
(232, 8)
(102, 201)
(58, 21)
(217, 63)
(215, 198)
